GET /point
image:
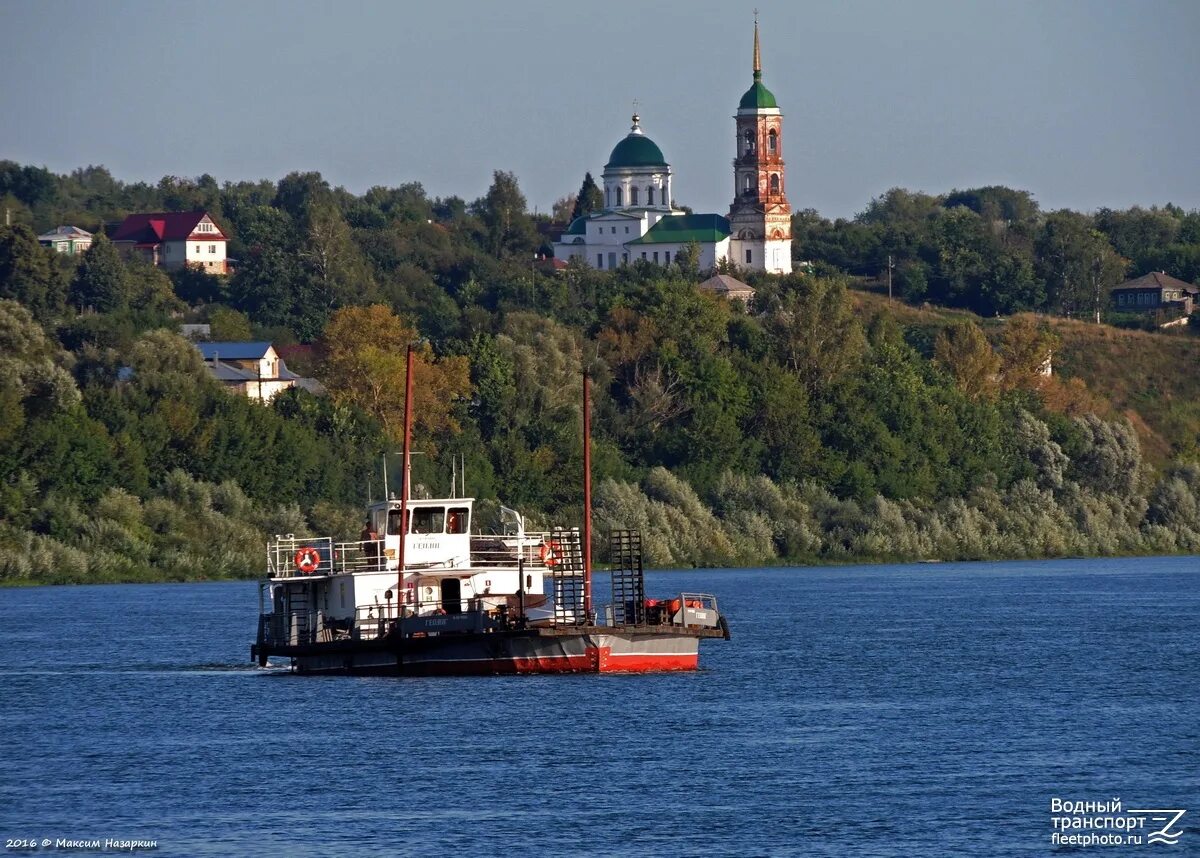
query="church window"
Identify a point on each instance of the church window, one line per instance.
(774, 183)
(749, 256)
(618, 196)
(608, 196)
(772, 141)
(747, 185)
(650, 195)
(627, 230)
(749, 142)
(633, 196)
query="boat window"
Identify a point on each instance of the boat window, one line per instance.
(428, 519)
(457, 520)
(394, 527)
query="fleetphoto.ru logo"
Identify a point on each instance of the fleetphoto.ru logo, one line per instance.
(1106, 823)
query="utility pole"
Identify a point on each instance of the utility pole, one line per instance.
(891, 265)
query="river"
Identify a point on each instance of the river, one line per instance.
(877, 710)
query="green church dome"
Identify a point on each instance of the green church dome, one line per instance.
(636, 150)
(757, 96)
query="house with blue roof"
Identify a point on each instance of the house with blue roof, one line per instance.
(253, 369)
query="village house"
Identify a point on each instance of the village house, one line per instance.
(174, 239)
(1156, 291)
(70, 240)
(728, 287)
(253, 369)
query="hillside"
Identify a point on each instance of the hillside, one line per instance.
(1146, 376)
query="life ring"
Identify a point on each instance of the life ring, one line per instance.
(307, 560)
(549, 553)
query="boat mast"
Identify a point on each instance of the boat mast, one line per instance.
(587, 496)
(404, 480)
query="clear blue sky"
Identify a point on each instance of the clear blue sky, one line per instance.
(1085, 104)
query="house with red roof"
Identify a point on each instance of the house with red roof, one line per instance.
(174, 239)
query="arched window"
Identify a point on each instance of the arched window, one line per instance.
(749, 136)
(618, 190)
(772, 141)
(650, 195)
(774, 183)
(633, 196)
(747, 185)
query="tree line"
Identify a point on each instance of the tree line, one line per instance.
(115, 441)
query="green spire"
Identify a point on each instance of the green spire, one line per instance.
(757, 96)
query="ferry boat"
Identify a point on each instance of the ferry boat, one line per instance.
(424, 592)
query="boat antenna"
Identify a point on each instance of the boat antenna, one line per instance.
(404, 487)
(587, 496)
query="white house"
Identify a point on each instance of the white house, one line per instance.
(174, 239)
(253, 369)
(70, 240)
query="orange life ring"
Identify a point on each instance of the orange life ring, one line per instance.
(307, 560)
(549, 553)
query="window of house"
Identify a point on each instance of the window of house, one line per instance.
(212, 248)
(667, 256)
(772, 141)
(643, 254)
(624, 257)
(656, 256)
(749, 256)
(612, 260)
(633, 196)
(627, 230)
(599, 260)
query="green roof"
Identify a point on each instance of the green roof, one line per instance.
(636, 150)
(679, 229)
(757, 96)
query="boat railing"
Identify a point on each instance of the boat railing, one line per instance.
(686, 609)
(290, 555)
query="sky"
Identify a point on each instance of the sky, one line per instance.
(1085, 104)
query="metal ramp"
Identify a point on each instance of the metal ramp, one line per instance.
(567, 575)
(628, 578)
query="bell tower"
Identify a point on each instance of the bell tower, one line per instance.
(760, 218)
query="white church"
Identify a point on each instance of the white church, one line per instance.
(638, 220)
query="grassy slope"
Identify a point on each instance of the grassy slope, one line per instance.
(1152, 378)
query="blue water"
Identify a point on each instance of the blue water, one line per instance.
(888, 710)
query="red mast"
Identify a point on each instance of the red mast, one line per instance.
(408, 381)
(587, 496)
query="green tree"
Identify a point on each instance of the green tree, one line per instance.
(589, 199)
(509, 229)
(965, 353)
(101, 282)
(28, 273)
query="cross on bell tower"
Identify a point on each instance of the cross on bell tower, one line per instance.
(760, 217)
